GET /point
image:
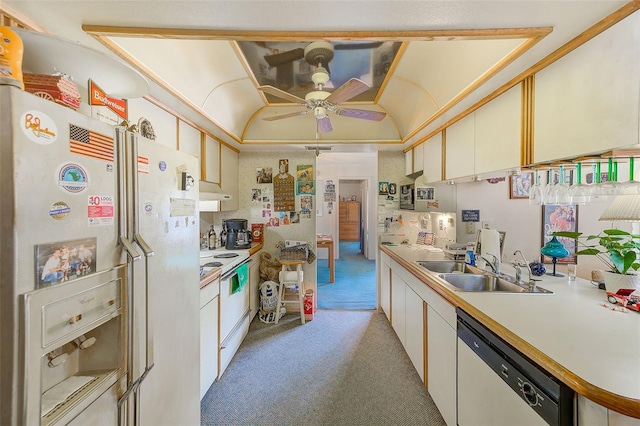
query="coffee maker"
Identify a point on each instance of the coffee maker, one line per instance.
(238, 236)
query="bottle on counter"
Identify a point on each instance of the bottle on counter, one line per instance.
(470, 256)
(213, 240)
(223, 235)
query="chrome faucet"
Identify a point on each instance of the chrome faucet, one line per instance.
(518, 265)
(495, 264)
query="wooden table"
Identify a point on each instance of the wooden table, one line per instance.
(326, 241)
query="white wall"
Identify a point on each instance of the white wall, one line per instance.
(252, 211)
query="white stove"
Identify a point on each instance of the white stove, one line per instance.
(221, 258)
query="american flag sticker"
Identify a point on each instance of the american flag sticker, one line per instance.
(143, 165)
(90, 144)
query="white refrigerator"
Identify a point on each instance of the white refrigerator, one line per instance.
(99, 282)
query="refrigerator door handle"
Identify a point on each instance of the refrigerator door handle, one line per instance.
(131, 251)
(121, 194)
(146, 248)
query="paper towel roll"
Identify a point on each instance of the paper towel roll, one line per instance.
(489, 243)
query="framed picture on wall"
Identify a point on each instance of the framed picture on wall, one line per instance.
(560, 218)
(520, 185)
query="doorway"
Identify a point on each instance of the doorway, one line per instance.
(354, 287)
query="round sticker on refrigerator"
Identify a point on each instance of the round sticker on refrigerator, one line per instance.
(162, 166)
(39, 127)
(59, 210)
(72, 177)
(148, 208)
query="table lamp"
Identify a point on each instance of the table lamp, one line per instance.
(555, 250)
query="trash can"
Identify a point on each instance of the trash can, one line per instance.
(308, 305)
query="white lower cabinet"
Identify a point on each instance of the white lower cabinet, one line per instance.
(254, 285)
(385, 285)
(415, 330)
(208, 336)
(591, 414)
(441, 364)
(398, 309)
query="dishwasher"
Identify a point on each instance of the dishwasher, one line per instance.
(498, 385)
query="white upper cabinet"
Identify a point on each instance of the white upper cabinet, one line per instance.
(587, 101)
(418, 158)
(164, 124)
(211, 154)
(460, 147)
(497, 132)
(189, 139)
(432, 162)
(408, 162)
(229, 177)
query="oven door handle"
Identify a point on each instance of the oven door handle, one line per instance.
(234, 271)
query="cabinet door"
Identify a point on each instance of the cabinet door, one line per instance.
(189, 139)
(460, 148)
(497, 135)
(433, 159)
(415, 330)
(418, 158)
(353, 212)
(385, 289)
(254, 284)
(441, 365)
(408, 162)
(587, 101)
(208, 345)
(211, 153)
(398, 310)
(229, 177)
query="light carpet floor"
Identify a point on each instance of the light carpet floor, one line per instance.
(355, 280)
(342, 368)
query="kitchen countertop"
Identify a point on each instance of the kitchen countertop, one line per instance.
(594, 350)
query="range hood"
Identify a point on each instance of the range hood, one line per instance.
(212, 192)
(211, 196)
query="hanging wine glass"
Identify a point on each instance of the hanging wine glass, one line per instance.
(536, 194)
(559, 194)
(548, 188)
(608, 188)
(631, 187)
(579, 193)
(596, 196)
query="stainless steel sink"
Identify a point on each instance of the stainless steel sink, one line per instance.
(487, 283)
(447, 266)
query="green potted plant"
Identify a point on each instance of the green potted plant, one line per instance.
(617, 249)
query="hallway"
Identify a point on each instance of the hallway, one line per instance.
(355, 284)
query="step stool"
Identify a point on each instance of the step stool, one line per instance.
(291, 279)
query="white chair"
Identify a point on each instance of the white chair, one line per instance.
(291, 279)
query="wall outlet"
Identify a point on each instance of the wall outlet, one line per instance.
(471, 227)
(485, 225)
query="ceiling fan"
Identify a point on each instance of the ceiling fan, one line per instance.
(320, 101)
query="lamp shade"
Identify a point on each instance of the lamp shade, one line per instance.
(623, 208)
(554, 248)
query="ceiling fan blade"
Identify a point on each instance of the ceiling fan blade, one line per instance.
(361, 113)
(284, 57)
(282, 94)
(324, 125)
(347, 91)
(280, 117)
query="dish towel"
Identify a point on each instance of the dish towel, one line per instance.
(240, 279)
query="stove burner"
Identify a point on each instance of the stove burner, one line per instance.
(212, 264)
(225, 255)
